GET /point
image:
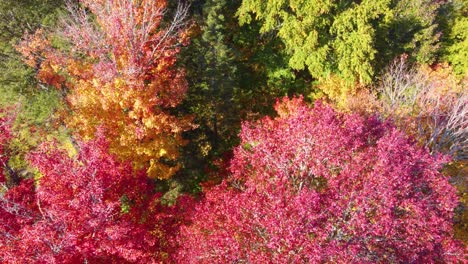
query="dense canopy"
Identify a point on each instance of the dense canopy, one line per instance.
(233, 131)
(314, 186)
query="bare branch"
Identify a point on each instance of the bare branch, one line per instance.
(130, 29)
(440, 114)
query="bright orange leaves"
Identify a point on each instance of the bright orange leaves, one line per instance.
(120, 70)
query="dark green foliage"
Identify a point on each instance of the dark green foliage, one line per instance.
(412, 28)
(211, 66)
(234, 74)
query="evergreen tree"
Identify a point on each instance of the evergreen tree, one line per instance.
(352, 39)
(234, 74)
(218, 78)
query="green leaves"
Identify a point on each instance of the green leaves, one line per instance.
(34, 102)
(345, 37)
(457, 42)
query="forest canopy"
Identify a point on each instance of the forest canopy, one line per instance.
(246, 131)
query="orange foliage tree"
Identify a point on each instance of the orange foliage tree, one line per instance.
(115, 62)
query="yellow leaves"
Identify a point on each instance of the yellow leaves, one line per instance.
(117, 85)
(138, 104)
(158, 170)
(162, 152)
(346, 96)
(55, 67)
(95, 82)
(205, 149)
(70, 148)
(336, 90)
(149, 122)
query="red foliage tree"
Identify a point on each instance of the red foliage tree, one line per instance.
(89, 209)
(4, 139)
(317, 186)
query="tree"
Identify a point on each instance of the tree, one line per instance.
(16, 19)
(457, 40)
(92, 209)
(211, 63)
(117, 70)
(428, 103)
(217, 76)
(314, 185)
(345, 38)
(233, 74)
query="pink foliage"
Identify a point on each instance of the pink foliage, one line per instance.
(5, 136)
(90, 209)
(317, 186)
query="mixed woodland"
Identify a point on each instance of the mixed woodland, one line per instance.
(233, 131)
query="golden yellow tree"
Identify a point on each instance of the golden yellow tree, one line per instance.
(117, 69)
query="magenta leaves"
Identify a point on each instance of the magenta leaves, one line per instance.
(314, 186)
(91, 208)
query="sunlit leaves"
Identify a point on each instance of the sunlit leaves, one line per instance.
(89, 209)
(348, 38)
(314, 186)
(120, 71)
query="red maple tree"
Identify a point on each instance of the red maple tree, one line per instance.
(317, 186)
(92, 208)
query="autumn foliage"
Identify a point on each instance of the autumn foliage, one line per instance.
(123, 141)
(91, 209)
(428, 103)
(119, 68)
(5, 136)
(317, 186)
